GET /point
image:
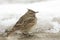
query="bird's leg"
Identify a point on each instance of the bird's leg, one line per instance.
(26, 34)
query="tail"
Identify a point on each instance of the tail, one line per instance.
(10, 32)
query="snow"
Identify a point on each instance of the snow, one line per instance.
(10, 13)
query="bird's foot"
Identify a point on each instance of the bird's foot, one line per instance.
(27, 35)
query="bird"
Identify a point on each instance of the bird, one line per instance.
(25, 23)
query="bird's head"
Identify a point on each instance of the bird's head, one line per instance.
(31, 11)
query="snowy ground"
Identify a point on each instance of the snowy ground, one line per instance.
(38, 36)
(48, 18)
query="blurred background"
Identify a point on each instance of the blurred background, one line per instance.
(21, 1)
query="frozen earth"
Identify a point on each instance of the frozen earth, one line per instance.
(48, 12)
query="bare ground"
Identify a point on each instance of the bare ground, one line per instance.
(37, 36)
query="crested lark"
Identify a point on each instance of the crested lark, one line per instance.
(25, 23)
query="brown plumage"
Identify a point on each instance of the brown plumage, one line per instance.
(25, 23)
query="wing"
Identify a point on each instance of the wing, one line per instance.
(19, 22)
